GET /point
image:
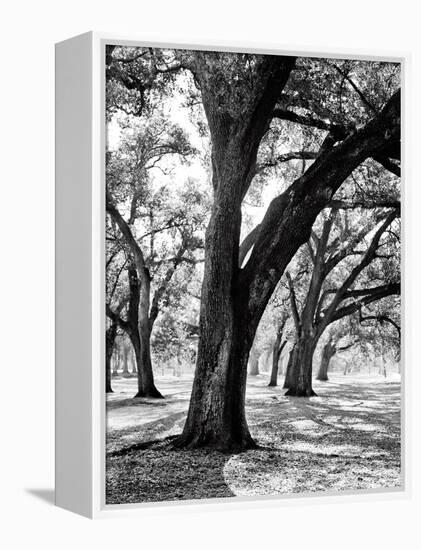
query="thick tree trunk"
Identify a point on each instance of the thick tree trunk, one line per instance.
(253, 362)
(301, 367)
(216, 416)
(328, 352)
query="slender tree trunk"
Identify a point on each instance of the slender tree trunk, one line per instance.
(289, 371)
(144, 327)
(327, 354)
(301, 367)
(253, 362)
(108, 387)
(139, 330)
(109, 342)
(139, 326)
(142, 351)
(277, 350)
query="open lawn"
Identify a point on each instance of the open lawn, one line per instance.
(347, 438)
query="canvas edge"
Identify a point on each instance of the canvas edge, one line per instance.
(73, 275)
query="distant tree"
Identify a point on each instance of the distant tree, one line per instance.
(253, 361)
(278, 346)
(110, 337)
(337, 285)
(339, 339)
(175, 336)
(149, 215)
(116, 295)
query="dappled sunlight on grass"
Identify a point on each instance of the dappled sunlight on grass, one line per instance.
(347, 438)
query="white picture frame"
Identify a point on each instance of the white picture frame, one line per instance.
(80, 280)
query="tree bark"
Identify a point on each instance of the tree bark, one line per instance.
(110, 336)
(145, 381)
(277, 348)
(276, 356)
(328, 352)
(216, 416)
(139, 330)
(300, 383)
(289, 374)
(147, 386)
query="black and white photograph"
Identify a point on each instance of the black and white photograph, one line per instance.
(210, 275)
(253, 281)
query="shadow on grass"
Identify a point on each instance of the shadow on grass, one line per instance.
(346, 438)
(136, 402)
(154, 471)
(147, 401)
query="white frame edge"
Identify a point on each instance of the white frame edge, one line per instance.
(73, 173)
(80, 283)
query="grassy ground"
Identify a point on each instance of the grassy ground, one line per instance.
(347, 438)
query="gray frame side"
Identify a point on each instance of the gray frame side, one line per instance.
(73, 310)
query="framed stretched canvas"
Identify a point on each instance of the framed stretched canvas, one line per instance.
(228, 274)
